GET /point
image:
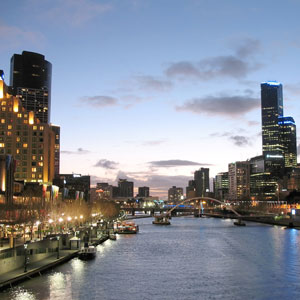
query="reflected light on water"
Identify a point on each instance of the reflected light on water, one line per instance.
(78, 266)
(57, 281)
(21, 294)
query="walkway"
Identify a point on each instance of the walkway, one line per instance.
(12, 277)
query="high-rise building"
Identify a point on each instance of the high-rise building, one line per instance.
(239, 180)
(289, 141)
(191, 189)
(30, 142)
(221, 185)
(125, 188)
(144, 191)
(56, 130)
(175, 194)
(201, 178)
(30, 80)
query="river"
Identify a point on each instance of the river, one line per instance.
(194, 258)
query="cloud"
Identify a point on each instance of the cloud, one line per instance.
(78, 151)
(298, 150)
(223, 105)
(153, 84)
(236, 66)
(240, 140)
(100, 101)
(14, 37)
(253, 123)
(153, 143)
(70, 12)
(106, 164)
(175, 163)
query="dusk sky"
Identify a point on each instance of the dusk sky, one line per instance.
(153, 90)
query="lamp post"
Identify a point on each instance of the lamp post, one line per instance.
(58, 247)
(25, 255)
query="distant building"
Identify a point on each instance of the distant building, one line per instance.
(191, 189)
(239, 180)
(289, 141)
(175, 194)
(263, 184)
(125, 188)
(74, 186)
(221, 185)
(201, 178)
(30, 80)
(144, 191)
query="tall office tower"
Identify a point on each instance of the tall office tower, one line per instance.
(144, 191)
(175, 194)
(125, 188)
(30, 142)
(56, 130)
(221, 185)
(30, 79)
(271, 110)
(289, 141)
(239, 180)
(201, 178)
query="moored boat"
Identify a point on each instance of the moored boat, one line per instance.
(127, 227)
(87, 252)
(161, 220)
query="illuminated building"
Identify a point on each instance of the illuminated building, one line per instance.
(7, 168)
(175, 194)
(289, 141)
(239, 180)
(201, 178)
(56, 130)
(221, 185)
(144, 191)
(125, 188)
(30, 142)
(30, 79)
(263, 185)
(278, 132)
(74, 186)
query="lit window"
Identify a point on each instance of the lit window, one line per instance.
(2, 145)
(41, 163)
(34, 127)
(8, 133)
(2, 121)
(32, 175)
(25, 145)
(19, 115)
(18, 139)
(33, 169)
(3, 108)
(33, 157)
(3, 103)
(18, 151)
(9, 127)
(41, 127)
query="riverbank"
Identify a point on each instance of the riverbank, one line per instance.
(34, 269)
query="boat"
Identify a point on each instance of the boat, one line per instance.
(239, 223)
(161, 220)
(87, 252)
(112, 237)
(127, 227)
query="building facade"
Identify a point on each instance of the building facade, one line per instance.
(30, 142)
(125, 188)
(201, 178)
(144, 191)
(239, 180)
(30, 79)
(175, 194)
(221, 186)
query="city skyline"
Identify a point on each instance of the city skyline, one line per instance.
(149, 93)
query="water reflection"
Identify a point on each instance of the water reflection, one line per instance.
(21, 294)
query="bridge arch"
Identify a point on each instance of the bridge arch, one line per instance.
(203, 198)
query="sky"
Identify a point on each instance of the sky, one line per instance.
(152, 90)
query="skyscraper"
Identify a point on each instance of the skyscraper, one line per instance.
(278, 132)
(125, 188)
(30, 79)
(201, 178)
(289, 141)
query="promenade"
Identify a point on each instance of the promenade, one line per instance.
(10, 278)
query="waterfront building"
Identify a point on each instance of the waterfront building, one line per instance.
(175, 194)
(239, 180)
(191, 189)
(221, 185)
(27, 139)
(263, 184)
(289, 141)
(125, 188)
(201, 178)
(30, 80)
(144, 191)
(7, 169)
(74, 186)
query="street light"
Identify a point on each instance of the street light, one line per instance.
(25, 255)
(58, 247)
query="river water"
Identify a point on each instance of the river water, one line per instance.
(194, 258)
